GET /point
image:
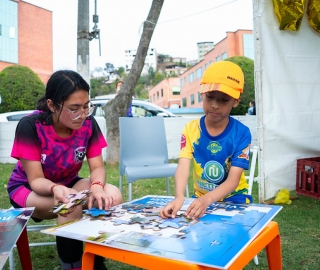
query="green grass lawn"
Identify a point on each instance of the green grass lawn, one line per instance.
(299, 225)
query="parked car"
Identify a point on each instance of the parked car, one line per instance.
(14, 116)
(140, 108)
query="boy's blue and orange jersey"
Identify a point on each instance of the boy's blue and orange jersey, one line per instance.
(214, 155)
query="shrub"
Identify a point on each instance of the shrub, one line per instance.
(20, 89)
(247, 66)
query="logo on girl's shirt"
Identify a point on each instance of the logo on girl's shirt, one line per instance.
(79, 154)
(43, 158)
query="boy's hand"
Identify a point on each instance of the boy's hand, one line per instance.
(198, 207)
(171, 209)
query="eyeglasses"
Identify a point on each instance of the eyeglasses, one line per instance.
(76, 114)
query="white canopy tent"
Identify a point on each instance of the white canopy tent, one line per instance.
(287, 77)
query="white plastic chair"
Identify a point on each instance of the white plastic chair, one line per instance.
(143, 151)
(250, 178)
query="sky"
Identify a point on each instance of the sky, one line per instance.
(181, 25)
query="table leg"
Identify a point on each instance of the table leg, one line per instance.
(88, 260)
(24, 250)
(274, 254)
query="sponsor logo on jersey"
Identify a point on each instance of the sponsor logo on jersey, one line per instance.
(183, 141)
(214, 147)
(245, 153)
(214, 172)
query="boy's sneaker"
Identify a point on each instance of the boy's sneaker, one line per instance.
(99, 263)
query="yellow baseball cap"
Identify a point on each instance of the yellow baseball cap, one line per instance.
(223, 76)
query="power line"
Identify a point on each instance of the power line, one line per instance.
(198, 12)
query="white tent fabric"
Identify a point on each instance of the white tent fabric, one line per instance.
(287, 77)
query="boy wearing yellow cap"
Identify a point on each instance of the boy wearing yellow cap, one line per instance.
(218, 145)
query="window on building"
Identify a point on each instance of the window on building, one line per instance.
(154, 97)
(217, 58)
(175, 90)
(191, 77)
(199, 97)
(224, 56)
(184, 102)
(182, 82)
(248, 46)
(157, 94)
(210, 62)
(205, 66)
(161, 92)
(199, 73)
(192, 99)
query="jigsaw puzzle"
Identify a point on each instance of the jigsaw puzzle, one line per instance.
(213, 240)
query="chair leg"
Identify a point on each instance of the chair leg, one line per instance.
(187, 191)
(11, 261)
(168, 186)
(130, 192)
(120, 184)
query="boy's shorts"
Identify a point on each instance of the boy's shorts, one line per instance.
(238, 198)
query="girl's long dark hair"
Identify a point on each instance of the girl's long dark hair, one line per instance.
(59, 87)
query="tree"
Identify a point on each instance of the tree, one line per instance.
(247, 66)
(119, 105)
(20, 89)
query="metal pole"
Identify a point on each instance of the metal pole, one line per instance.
(83, 40)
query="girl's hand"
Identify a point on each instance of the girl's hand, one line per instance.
(60, 193)
(100, 198)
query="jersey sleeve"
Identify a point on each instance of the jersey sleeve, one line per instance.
(242, 150)
(97, 141)
(26, 143)
(190, 133)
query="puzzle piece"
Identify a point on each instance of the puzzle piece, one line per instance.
(150, 226)
(246, 218)
(95, 212)
(208, 219)
(176, 223)
(226, 207)
(136, 208)
(117, 222)
(74, 200)
(137, 219)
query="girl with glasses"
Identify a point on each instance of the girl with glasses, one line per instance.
(50, 146)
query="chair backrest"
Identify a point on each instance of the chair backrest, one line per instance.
(142, 142)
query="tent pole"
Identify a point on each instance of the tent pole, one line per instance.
(258, 96)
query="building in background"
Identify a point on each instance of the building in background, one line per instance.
(150, 61)
(203, 48)
(26, 37)
(172, 66)
(166, 93)
(238, 43)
